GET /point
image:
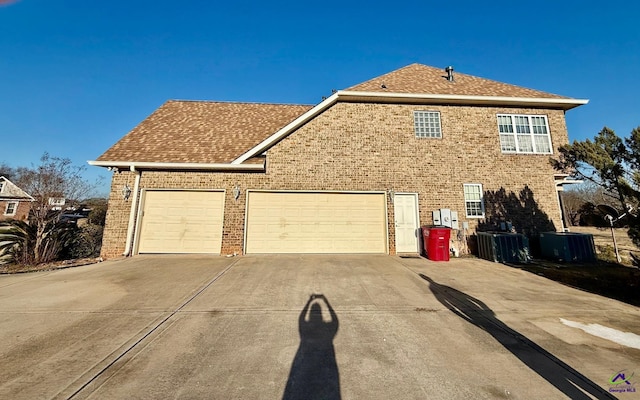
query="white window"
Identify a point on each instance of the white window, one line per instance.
(11, 209)
(56, 201)
(1, 186)
(427, 124)
(524, 134)
(473, 200)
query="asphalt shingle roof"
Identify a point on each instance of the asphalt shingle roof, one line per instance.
(201, 131)
(422, 79)
(220, 132)
(11, 191)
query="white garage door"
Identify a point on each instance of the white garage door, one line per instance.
(181, 222)
(291, 222)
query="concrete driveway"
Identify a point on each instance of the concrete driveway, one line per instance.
(153, 327)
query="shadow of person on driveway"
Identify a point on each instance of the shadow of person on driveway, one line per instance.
(314, 372)
(566, 379)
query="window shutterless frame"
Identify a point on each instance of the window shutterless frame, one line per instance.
(473, 200)
(12, 208)
(524, 134)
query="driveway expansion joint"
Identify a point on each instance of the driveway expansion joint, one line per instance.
(156, 327)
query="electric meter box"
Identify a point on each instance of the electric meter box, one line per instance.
(445, 217)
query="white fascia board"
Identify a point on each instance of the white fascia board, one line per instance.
(6, 198)
(133, 165)
(293, 125)
(564, 103)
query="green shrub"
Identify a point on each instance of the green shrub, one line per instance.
(21, 243)
(87, 241)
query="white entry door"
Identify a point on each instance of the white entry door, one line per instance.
(405, 207)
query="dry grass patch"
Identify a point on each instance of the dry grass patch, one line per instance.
(604, 242)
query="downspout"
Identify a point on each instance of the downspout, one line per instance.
(132, 213)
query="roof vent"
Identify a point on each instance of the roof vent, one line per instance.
(449, 71)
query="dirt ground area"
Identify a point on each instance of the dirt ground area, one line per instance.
(17, 268)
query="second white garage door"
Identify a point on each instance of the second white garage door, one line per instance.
(294, 222)
(181, 221)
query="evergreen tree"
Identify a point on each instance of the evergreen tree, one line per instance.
(610, 162)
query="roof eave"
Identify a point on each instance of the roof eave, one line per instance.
(550, 102)
(137, 165)
(16, 198)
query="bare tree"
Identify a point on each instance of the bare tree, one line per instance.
(572, 203)
(579, 201)
(7, 171)
(54, 178)
(590, 192)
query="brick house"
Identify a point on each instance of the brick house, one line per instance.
(15, 203)
(357, 173)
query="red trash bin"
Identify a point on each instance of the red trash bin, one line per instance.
(436, 243)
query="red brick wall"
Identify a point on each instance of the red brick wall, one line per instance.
(22, 212)
(355, 146)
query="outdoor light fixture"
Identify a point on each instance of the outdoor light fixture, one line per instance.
(126, 192)
(391, 195)
(236, 192)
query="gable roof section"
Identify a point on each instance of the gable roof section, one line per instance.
(421, 84)
(226, 136)
(199, 132)
(423, 79)
(10, 191)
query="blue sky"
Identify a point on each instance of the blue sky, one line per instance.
(77, 75)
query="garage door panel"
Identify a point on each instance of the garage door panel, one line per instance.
(182, 222)
(316, 223)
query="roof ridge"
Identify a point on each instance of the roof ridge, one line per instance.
(236, 102)
(419, 78)
(385, 74)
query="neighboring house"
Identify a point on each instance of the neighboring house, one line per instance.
(357, 173)
(57, 203)
(15, 203)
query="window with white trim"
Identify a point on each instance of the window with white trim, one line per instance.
(56, 201)
(427, 124)
(473, 200)
(1, 186)
(527, 134)
(11, 209)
